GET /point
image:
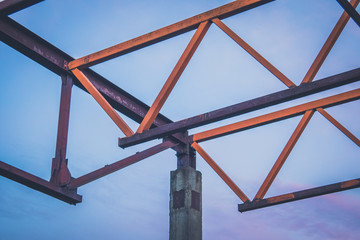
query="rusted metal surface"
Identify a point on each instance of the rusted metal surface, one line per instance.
(284, 154)
(330, 42)
(350, 10)
(295, 196)
(339, 126)
(52, 58)
(244, 107)
(220, 172)
(276, 116)
(8, 7)
(174, 76)
(60, 174)
(108, 169)
(186, 157)
(102, 102)
(64, 194)
(254, 53)
(154, 125)
(170, 31)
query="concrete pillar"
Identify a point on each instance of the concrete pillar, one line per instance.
(185, 202)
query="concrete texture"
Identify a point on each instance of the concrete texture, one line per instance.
(185, 204)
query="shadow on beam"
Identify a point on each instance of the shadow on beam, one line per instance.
(295, 196)
(64, 194)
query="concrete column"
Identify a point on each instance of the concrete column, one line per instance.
(185, 203)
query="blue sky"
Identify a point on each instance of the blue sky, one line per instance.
(133, 203)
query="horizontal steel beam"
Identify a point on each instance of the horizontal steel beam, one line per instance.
(167, 32)
(295, 196)
(8, 7)
(64, 194)
(244, 107)
(276, 116)
(108, 169)
(52, 58)
(350, 10)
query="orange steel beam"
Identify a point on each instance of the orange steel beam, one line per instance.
(164, 33)
(108, 169)
(276, 116)
(284, 155)
(304, 194)
(102, 101)
(325, 50)
(339, 126)
(254, 53)
(174, 77)
(220, 172)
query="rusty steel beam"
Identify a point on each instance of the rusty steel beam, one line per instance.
(60, 174)
(64, 194)
(295, 196)
(52, 58)
(284, 155)
(350, 10)
(167, 32)
(329, 43)
(244, 107)
(220, 172)
(174, 76)
(8, 7)
(254, 53)
(276, 116)
(108, 169)
(339, 126)
(102, 102)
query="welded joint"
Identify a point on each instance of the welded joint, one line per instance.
(186, 156)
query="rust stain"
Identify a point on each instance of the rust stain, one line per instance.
(281, 198)
(350, 183)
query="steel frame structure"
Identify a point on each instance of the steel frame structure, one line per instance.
(154, 125)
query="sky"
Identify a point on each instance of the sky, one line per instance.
(133, 203)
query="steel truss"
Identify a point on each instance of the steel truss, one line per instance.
(154, 125)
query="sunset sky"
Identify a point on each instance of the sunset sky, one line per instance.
(133, 203)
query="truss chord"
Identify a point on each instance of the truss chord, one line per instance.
(8, 7)
(350, 10)
(64, 194)
(103, 103)
(254, 53)
(220, 172)
(284, 154)
(167, 32)
(243, 107)
(339, 126)
(174, 76)
(275, 116)
(295, 196)
(325, 50)
(111, 168)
